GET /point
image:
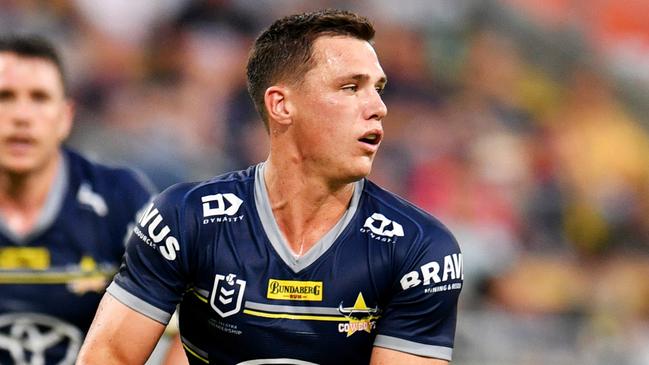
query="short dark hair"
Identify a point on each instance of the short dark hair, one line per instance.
(284, 50)
(34, 46)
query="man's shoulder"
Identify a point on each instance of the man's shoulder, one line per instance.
(390, 206)
(380, 197)
(238, 183)
(86, 168)
(232, 178)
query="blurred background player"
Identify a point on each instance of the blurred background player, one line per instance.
(63, 218)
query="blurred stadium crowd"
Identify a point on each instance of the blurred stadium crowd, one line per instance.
(521, 124)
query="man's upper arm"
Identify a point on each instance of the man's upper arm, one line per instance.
(383, 356)
(421, 314)
(119, 335)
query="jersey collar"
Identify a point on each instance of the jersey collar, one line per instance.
(276, 237)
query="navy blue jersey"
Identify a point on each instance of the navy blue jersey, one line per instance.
(387, 274)
(51, 280)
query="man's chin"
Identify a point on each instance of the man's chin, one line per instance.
(18, 167)
(358, 173)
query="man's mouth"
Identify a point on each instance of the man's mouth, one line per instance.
(19, 141)
(372, 138)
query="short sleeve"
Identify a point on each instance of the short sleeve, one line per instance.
(421, 316)
(151, 279)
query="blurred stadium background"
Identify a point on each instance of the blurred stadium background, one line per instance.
(521, 124)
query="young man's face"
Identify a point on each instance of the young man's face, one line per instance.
(338, 108)
(35, 116)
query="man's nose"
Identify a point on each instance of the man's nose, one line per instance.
(376, 108)
(21, 112)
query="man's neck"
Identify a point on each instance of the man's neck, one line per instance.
(305, 206)
(23, 196)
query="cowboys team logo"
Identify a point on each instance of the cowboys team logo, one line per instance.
(35, 339)
(227, 294)
(360, 316)
(381, 228)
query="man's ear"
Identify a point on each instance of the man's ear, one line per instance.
(67, 119)
(277, 105)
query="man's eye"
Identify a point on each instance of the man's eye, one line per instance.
(40, 96)
(352, 88)
(6, 95)
(380, 90)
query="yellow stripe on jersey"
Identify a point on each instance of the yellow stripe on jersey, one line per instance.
(197, 295)
(49, 277)
(196, 355)
(301, 317)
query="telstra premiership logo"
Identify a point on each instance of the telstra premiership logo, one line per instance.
(227, 294)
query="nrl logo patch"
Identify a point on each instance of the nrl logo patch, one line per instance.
(227, 294)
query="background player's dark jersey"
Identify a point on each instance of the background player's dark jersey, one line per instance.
(52, 279)
(386, 275)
